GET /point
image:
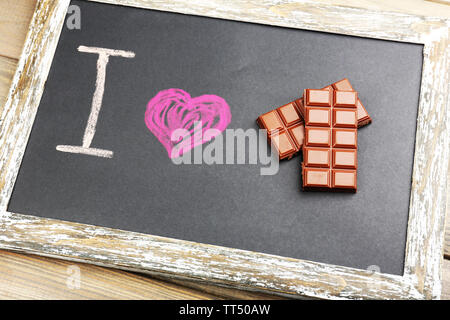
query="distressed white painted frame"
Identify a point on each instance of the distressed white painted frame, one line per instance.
(233, 267)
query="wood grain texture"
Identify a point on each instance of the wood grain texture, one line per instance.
(15, 17)
(236, 267)
(32, 277)
(7, 69)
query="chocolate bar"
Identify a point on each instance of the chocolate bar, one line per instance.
(330, 144)
(288, 121)
(344, 85)
(285, 129)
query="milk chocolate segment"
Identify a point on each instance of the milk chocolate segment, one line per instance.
(315, 97)
(330, 147)
(363, 115)
(345, 118)
(345, 138)
(317, 137)
(297, 132)
(316, 157)
(345, 159)
(316, 178)
(271, 122)
(343, 179)
(343, 85)
(284, 144)
(318, 117)
(285, 129)
(345, 98)
(289, 114)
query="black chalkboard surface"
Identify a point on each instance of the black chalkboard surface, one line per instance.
(254, 68)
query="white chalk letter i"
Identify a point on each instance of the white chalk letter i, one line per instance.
(89, 132)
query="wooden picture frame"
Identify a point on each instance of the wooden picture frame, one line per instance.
(233, 267)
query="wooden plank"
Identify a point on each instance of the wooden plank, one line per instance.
(7, 69)
(32, 277)
(15, 16)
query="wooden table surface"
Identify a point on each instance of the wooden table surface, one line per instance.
(33, 277)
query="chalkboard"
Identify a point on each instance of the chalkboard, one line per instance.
(254, 68)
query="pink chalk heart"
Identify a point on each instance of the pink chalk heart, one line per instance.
(181, 123)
